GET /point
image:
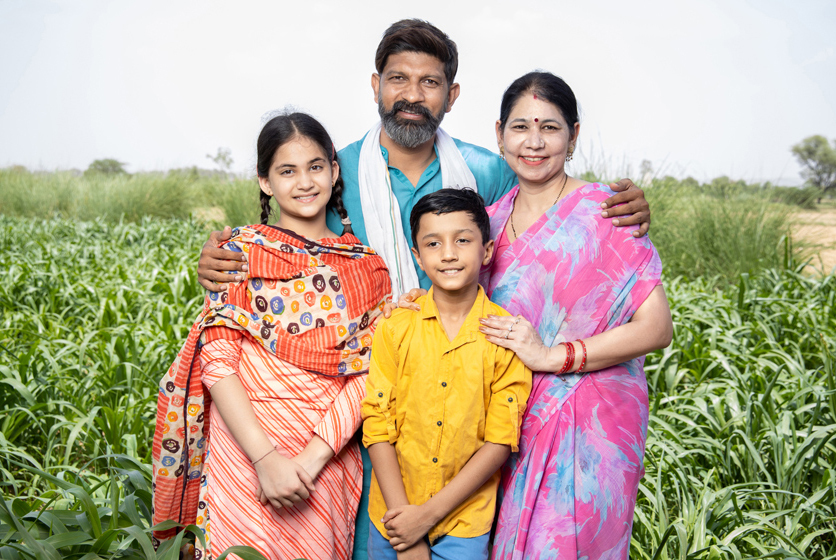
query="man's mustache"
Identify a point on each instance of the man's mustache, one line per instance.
(410, 108)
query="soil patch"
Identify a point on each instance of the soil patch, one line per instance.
(817, 230)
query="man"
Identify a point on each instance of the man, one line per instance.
(400, 160)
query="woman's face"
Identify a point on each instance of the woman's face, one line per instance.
(300, 179)
(536, 139)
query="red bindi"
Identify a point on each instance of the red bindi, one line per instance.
(536, 119)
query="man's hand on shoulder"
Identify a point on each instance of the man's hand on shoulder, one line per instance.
(628, 201)
(215, 263)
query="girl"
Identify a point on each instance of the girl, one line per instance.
(283, 357)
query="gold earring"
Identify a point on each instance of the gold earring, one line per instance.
(571, 152)
(501, 152)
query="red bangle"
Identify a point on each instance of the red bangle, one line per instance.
(570, 358)
(583, 359)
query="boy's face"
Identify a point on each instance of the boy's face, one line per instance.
(450, 250)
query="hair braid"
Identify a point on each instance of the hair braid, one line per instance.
(336, 203)
(266, 210)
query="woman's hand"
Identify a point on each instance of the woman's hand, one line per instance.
(406, 301)
(628, 201)
(519, 335)
(282, 482)
(215, 262)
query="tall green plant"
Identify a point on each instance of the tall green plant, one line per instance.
(740, 452)
(718, 230)
(114, 197)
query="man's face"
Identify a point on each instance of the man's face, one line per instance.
(412, 96)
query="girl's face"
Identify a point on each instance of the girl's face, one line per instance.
(301, 180)
(536, 139)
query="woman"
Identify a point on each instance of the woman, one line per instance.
(589, 304)
(282, 357)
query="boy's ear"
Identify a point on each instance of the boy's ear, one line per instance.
(488, 253)
(418, 258)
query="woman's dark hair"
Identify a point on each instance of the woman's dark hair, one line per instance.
(416, 35)
(445, 201)
(547, 86)
(279, 131)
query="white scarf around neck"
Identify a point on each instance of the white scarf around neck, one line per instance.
(381, 211)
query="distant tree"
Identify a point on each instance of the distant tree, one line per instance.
(818, 158)
(222, 159)
(106, 167)
(690, 182)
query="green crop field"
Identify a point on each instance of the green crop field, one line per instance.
(741, 460)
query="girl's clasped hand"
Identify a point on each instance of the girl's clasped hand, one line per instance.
(282, 482)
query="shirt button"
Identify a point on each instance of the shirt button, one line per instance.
(443, 383)
(438, 423)
(435, 459)
(380, 395)
(510, 399)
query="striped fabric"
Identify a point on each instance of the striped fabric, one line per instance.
(309, 303)
(291, 405)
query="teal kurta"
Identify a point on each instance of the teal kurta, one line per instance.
(493, 179)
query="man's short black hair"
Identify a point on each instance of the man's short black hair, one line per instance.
(415, 35)
(445, 201)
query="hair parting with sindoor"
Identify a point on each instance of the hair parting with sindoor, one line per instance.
(550, 88)
(279, 131)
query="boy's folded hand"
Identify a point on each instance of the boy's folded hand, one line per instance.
(406, 525)
(419, 551)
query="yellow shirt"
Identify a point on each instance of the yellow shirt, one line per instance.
(438, 401)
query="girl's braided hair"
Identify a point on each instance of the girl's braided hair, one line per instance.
(280, 130)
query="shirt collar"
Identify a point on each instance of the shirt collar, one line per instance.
(429, 309)
(385, 153)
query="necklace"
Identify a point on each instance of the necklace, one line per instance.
(514, 231)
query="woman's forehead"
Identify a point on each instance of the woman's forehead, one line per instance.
(531, 106)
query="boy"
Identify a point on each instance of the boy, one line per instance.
(443, 405)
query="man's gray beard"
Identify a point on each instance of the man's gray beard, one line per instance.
(408, 134)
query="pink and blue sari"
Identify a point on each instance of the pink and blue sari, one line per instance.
(571, 490)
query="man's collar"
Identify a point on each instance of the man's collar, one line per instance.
(385, 153)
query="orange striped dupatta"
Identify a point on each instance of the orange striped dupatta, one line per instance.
(312, 303)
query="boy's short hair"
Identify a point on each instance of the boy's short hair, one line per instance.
(445, 201)
(415, 35)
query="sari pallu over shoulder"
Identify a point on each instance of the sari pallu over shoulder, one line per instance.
(311, 303)
(572, 273)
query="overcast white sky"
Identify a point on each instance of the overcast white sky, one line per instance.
(702, 88)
